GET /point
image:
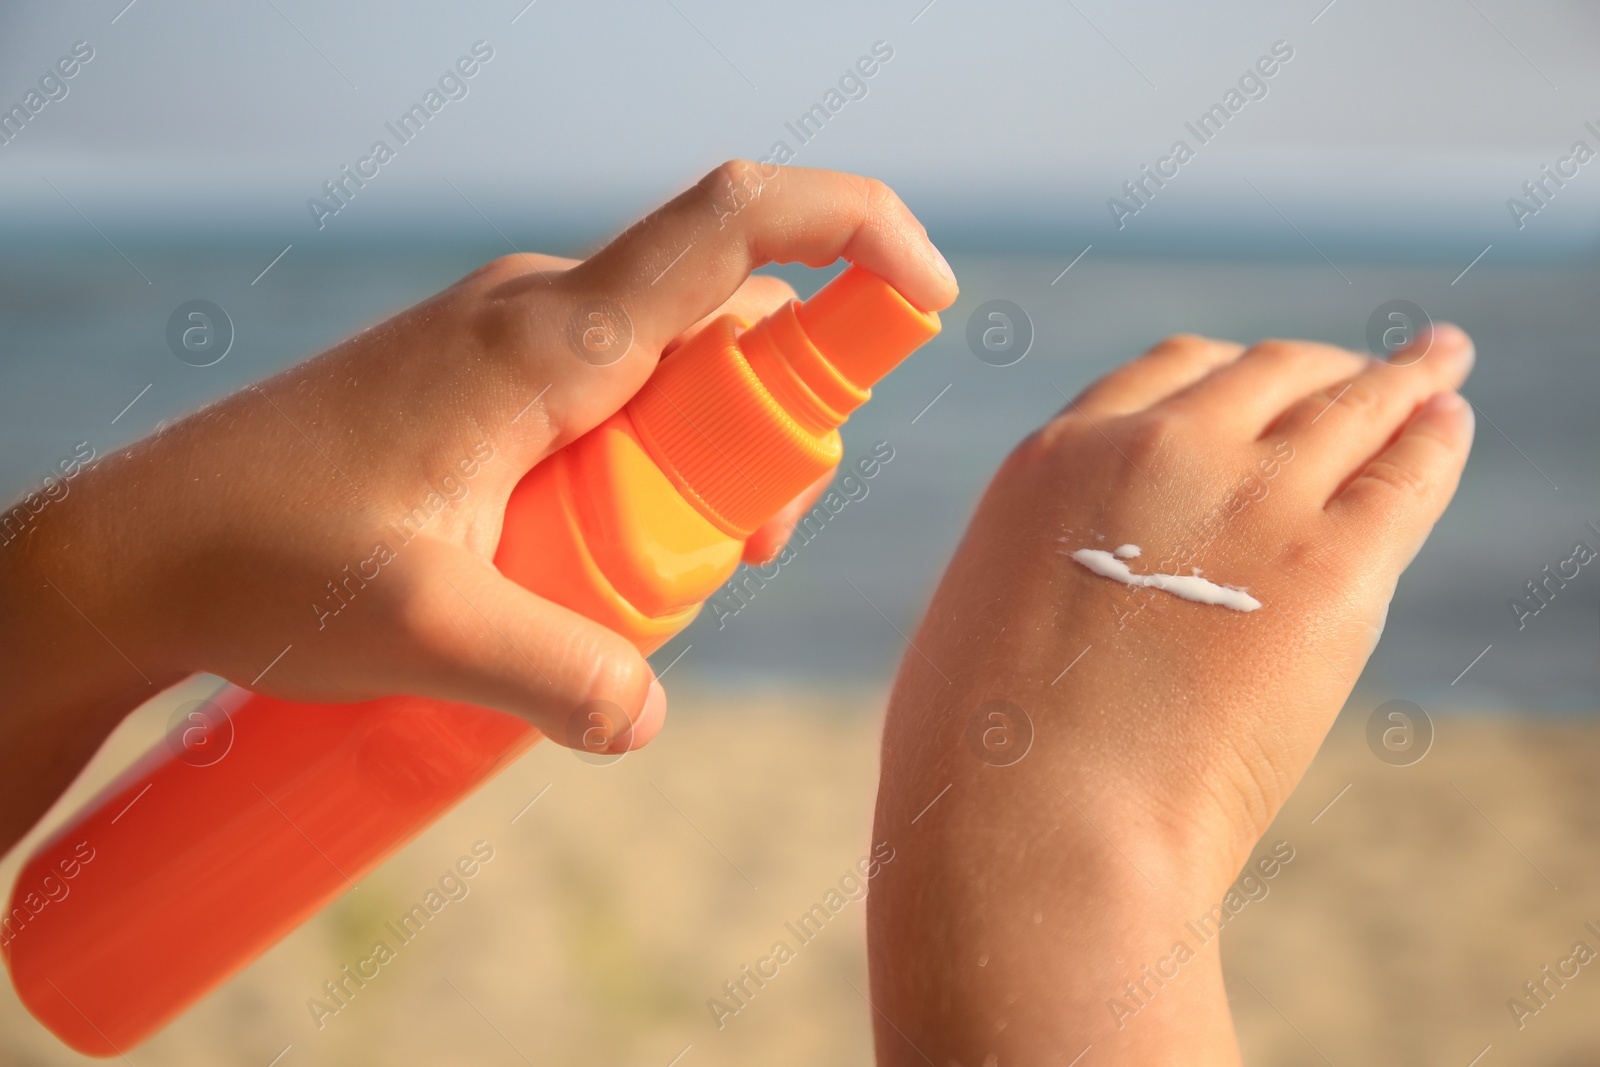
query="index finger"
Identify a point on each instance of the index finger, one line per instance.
(680, 262)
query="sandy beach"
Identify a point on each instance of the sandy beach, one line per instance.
(620, 898)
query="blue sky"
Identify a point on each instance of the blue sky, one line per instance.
(1392, 128)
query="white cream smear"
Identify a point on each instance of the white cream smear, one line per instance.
(1188, 586)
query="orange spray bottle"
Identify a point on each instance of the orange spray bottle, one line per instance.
(128, 915)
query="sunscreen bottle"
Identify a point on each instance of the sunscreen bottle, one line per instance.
(182, 871)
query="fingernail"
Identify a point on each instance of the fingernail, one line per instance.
(1450, 334)
(623, 742)
(1444, 401)
(944, 264)
(655, 706)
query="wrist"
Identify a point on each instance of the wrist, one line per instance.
(1174, 811)
(1063, 857)
(1030, 915)
(68, 683)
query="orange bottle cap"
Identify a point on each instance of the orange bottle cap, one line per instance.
(742, 420)
(863, 326)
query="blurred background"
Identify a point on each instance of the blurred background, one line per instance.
(1397, 153)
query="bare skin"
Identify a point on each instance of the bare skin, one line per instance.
(1021, 903)
(200, 549)
(1025, 894)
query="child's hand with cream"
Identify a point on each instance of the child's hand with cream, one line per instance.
(1103, 735)
(224, 543)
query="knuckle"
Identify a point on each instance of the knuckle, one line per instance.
(1362, 399)
(1383, 473)
(1040, 454)
(504, 265)
(1355, 399)
(616, 670)
(884, 207)
(1181, 344)
(1149, 439)
(1039, 445)
(733, 186)
(728, 170)
(497, 269)
(737, 174)
(878, 194)
(1318, 559)
(1278, 349)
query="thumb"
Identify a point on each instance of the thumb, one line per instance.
(476, 637)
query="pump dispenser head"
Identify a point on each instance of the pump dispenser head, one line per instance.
(863, 326)
(745, 419)
(821, 358)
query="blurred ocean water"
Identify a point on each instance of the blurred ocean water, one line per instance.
(84, 357)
